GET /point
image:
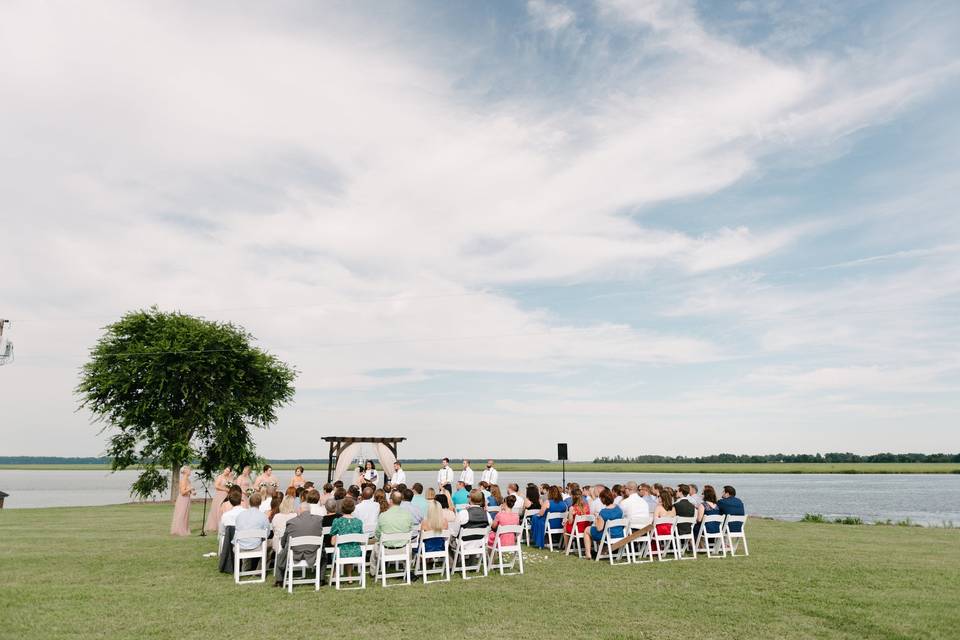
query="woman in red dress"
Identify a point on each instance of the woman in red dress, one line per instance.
(578, 507)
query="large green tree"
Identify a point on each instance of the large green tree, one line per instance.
(174, 389)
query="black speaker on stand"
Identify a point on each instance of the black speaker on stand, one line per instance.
(562, 457)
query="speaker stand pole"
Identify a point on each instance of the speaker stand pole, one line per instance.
(564, 473)
(203, 518)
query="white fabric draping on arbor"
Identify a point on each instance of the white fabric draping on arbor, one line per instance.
(386, 459)
(345, 458)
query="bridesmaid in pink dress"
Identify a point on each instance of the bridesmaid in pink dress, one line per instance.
(219, 495)
(181, 510)
(245, 483)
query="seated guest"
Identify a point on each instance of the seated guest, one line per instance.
(266, 498)
(532, 501)
(646, 492)
(617, 493)
(609, 512)
(344, 525)
(694, 498)
(327, 493)
(513, 489)
(506, 516)
(708, 507)
(461, 496)
(634, 508)
(551, 512)
(474, 516)
(279, 522)
(495, 499)
(396, 519)
(298, 499)
(731, 505)
(305, 524)
(416, 516)
(418, 500)
(354, 492)
(434, 522)
(446, 505)
(249, 520)
(235, 502)
(368, 510)
(595, 503)
(684, 508)
(664, 510)
(340, 494)
(275, 506)
(578, 507)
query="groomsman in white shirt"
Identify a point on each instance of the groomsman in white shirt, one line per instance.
(466, 476)
(489, 474)
(399, 477)
(445, 476)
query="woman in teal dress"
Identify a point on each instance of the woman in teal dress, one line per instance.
(344, 525)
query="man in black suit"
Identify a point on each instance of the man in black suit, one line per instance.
(305, 524)
(685, 508)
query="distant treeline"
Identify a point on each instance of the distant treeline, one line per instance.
(305, 461)
(785, 457)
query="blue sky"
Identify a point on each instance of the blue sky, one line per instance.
(635, 226)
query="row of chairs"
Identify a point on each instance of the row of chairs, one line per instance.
(391, 557)
(718, 536)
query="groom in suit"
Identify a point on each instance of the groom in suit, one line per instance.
(305, 524)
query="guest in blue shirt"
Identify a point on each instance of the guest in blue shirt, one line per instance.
(609, 512)
(252, 519)
(731, 505)
(461, 496)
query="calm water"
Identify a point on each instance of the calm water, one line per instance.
(929, 499)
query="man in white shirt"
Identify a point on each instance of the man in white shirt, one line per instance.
(513, 489)
(445, 476)
(466, 476)
(489, 474)
(635, 509)
(398, 477)
(646, 492)
(695, 497)
(367, 510)
(229, 519)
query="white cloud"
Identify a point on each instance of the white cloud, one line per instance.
(347, 201)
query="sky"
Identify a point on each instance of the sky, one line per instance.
(638, 227)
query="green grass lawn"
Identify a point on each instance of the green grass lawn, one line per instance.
(113, 572)
(627, 467)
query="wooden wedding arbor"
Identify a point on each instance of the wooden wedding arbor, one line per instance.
(340, 444)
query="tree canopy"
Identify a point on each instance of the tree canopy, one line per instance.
(175, 389)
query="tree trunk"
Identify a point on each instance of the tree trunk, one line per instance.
(174, 483)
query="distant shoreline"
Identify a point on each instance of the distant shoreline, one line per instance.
(622, 467)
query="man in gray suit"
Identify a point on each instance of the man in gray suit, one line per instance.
(305, 524)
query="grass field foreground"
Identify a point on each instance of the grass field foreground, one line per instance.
(113, 572)
(621, 467)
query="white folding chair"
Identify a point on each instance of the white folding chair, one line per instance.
(393, 555)
(682, 540)
(608, 540)
(554, 526)
(467, 548)
(425, 557)
(341, 562)
(739, 534)
(527, 514)
(642, 545)
(499, 548)
(303, 541)
(708, 541)
(576, 536)
(664, 542)
(260, 552)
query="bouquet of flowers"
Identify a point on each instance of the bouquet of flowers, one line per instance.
(230, 485)
(249, 491)
(273, 483)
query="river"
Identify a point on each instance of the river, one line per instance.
(932, 499)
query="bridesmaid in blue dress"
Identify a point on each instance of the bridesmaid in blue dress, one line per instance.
(552, 511)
